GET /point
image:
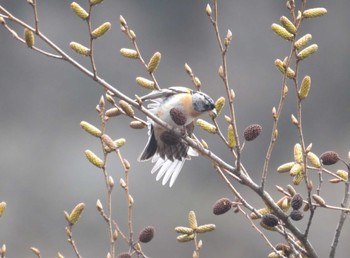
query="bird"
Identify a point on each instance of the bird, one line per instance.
(178, 106)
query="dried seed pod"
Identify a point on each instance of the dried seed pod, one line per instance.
(282, 32)
(318, 199)
(126, 107)
(298, 153)
(79, 11)
(137, 124)
(101, 30)
(291, 190)
(94, 131)
(185, 238)
(329, 158)
(305, 87)
(178, 116)
(252, 131)
(315, 161)
(288, 25)
(145, 83)
(297, 201)
(206, 126)
(205, 228)
(76, 213)
(222, 206)
(184, 230)
(314, 12)
(29, 37)
(154, 62)
(308, 51)
(302, 42)
(343, 174)
(269, 220)
(298, 178)
(192, 221)
(94, 159)
(296, 215)
(146, 234)
(231, 137)
(219, 104)
(124, 255)
(80, 49)
(129, 53)
(2, 208)
(286, 167)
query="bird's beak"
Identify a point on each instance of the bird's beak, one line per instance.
(213, 114)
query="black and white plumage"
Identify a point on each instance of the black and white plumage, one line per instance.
(177, 106)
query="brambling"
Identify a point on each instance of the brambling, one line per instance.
(177, 106)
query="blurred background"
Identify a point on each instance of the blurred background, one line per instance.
(43, 170)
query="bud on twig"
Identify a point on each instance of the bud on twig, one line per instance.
(80, 49)
(154, 62)
(29, 37)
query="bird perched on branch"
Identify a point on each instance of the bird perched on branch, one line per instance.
(177, 106)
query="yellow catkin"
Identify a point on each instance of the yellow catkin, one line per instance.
(219, 104)
(76, 213)
(94, 131)
(314, 160)
(306, 52)
(80, 49)
(129, 53)
(314, 12)
(231, 137)
(288, 25)
(205, 228)
(184, 230)
(154, 62)
(206, 126)
(145, 83)
(101, 30)
(29, 37)
(2, 208)
(192, 221)
(296, 169)
(95, 2)
(282, 32)
(302, 42)
(79, 11)
(298, 153)
(94, 159)
(286, 167)
(343, 174)
(185, 238)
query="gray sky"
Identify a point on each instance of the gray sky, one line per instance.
(43, 170)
